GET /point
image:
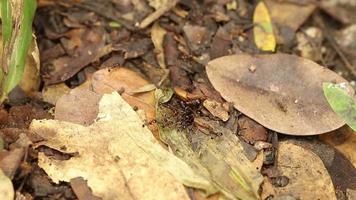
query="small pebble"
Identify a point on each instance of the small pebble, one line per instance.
(259, 145)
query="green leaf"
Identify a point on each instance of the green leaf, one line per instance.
(341, 102)
(16, 41)
(114, 24)
(6, 20)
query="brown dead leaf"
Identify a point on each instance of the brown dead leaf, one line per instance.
(117, 155)
(308, 178)
(81, 189)
(284, 92)
(30, 81)
(10, 162)
(288, 17)
(65, 67)
(124, 80)
(157, 36)
(251, 131)
(52, 93)
(80, 106)
(344, 140)
(216, 109)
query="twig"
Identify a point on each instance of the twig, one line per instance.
(334, 44)
(106, 15)
(158, 13)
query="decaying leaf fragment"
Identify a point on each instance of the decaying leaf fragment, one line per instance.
(157, 36)
(307, 175)
(344, 140)
(263, 29)
(283, 93)
(117, 155)
(221, 160)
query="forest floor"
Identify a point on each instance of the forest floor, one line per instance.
(188, 123)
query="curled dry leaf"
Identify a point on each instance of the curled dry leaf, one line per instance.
(157, 36)
(30, 81)
(6, 188)
(284, 92)
(308, 177)
(117, 155)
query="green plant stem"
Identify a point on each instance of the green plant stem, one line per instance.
(17, 16)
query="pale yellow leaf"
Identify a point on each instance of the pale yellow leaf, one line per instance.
(117, 155)
(263, 29)
(6, 188)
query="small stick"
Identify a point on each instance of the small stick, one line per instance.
(334, 44)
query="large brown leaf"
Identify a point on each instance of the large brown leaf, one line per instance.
(282, 92)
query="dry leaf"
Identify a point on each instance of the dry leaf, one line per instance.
(156, 4)
(121, 79)
(6, 188)
(80, 106)
(284, 92)
(287, 18)
(263, 29)
(52, 93)
(308, 178)
(344, 140)
(213, 158)
(216, 109)
(31, 78)
(81, 189)
(116, 155)
(157, 36)
(10, 163)
(126, 81)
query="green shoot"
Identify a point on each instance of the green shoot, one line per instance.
(17, 17)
